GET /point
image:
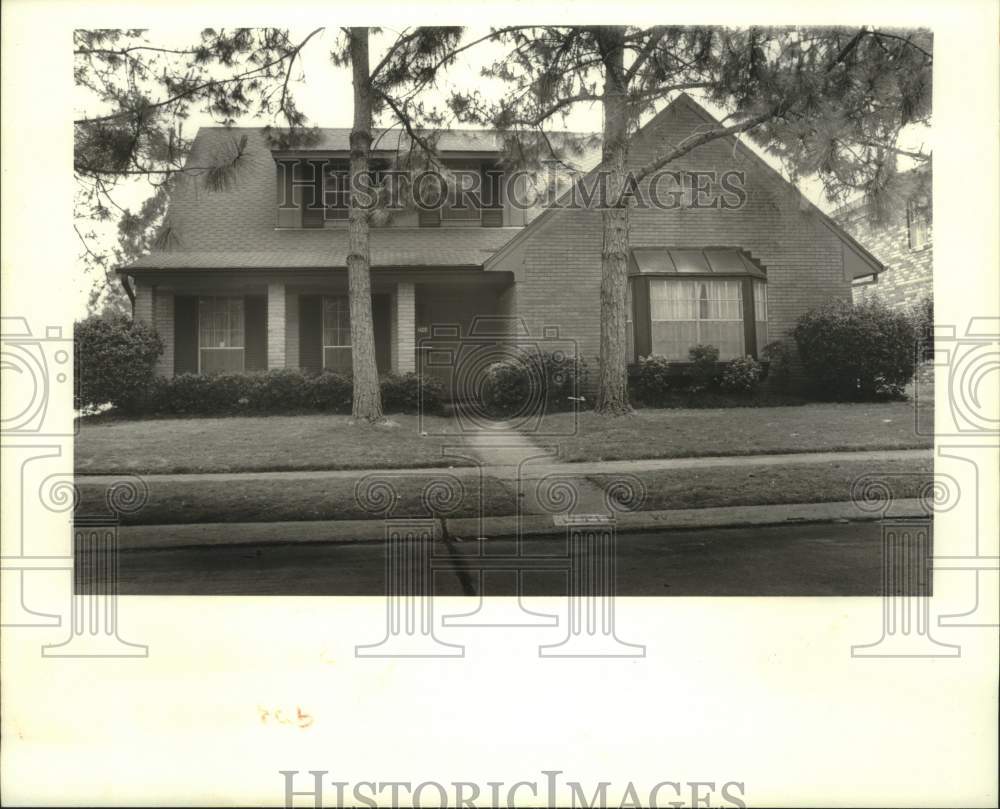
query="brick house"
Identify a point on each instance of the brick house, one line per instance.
(250, 277)
(904, 244)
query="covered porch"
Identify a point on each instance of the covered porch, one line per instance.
(213, 321)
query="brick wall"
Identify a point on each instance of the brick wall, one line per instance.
(163, 321)
(142, 309)
(909, 273)
(276, 326)
(291, 330)
(155, 307)
(560, 282)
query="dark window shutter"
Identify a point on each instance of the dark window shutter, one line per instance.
(185, 334)
(311, 333)
(429, 219)
(255, 333)
(491, 196)
(382, 323)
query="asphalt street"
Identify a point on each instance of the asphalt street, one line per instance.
(831, 559)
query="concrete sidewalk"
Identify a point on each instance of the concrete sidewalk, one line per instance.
(501, 462)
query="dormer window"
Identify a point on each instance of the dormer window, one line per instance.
(316, 192)
(337, 189)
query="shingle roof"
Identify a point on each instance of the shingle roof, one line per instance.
(235, 228)
(448, 140)
(302, 249)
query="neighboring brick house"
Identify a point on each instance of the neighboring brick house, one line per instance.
(242, 282)
(904, 244)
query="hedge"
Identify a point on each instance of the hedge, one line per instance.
(553, 379)
(856, 350)
(283, 391)
(115, 361)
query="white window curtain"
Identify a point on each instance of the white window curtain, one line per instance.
(337, 334)
(221, 334)
(686, 313)
(760, 314)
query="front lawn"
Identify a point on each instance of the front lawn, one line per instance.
(248, 499)
(749, 485)
(249, 444)
(735, 431)
(318, 441)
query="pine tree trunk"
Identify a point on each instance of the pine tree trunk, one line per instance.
(613, 394)
(367, 402)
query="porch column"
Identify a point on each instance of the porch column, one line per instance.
(404, 325)
(276, 326)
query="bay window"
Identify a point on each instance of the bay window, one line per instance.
(696, 312)
(337, 334)
(221, 345)
(680, 298)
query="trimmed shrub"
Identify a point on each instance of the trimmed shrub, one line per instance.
(329, 392)
(403, 393)
(779, 370)
(280, 390)
(741, 375)
(856, 350)
(283, 390)
(704, 366)
(115, 361)
(655, 377)
(511, 384)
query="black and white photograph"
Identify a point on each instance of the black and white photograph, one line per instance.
(427, 364)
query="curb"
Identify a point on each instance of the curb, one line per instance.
(692, 519)
(215, 535)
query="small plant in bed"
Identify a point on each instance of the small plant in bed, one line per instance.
(704, 382)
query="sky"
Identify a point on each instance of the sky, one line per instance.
(323, 92)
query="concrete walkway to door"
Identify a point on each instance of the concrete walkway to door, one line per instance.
(502, 445)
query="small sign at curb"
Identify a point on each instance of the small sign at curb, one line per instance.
(581, 519)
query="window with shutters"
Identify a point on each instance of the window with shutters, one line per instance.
(221, 336)
(474, 195)
(337, 333)
(336, 189)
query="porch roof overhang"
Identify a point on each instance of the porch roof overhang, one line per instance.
(326, 248)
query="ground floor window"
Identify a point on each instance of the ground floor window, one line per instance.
(689, 312)
(337, 333)
(221, 334)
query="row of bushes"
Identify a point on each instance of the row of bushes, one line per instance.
(281, 391)
(116, 365)
(847, 351)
